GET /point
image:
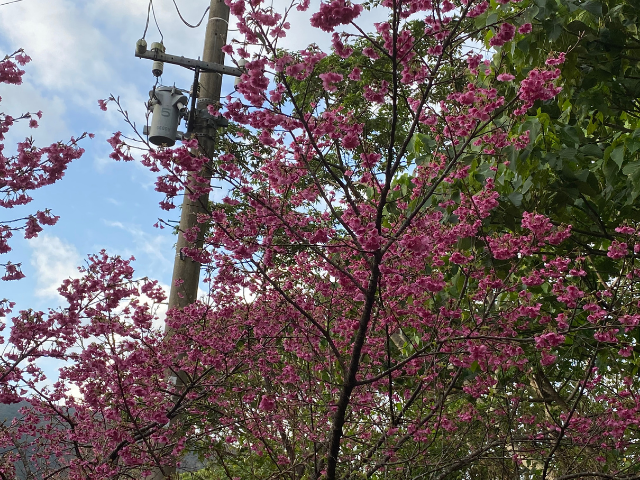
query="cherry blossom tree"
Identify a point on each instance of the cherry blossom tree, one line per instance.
(31, 168)
(365, 317)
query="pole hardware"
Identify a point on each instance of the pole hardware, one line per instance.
(168, 105)
(141, 46)
(159, 55)
(158, 66)
(195, 89)
(241, 63)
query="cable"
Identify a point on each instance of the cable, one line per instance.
(144, 34)
(150, 10)
(187, 23)
(7, 3)
(153, 10)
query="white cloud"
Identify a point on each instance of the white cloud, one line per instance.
(54, 261)
(63, 45)
(157, 249)
(18, 100)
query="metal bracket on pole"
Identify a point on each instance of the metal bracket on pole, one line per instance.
(205, 67)
(194, 95)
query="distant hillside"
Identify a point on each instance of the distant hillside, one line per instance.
(8, 412)
(189, 463)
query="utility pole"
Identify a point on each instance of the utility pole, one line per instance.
(185, 269)
(186, 272)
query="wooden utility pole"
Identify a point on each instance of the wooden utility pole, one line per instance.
(186, 272)
(185, 269)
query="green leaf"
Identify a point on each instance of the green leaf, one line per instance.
(426, 142)
(617, 155)
(571, 135)
(577, 27)
(582, 175)
(533, 126)
(516, 198)
(553, 29)
(630, 168)
(632, 144)
(474, 367)
(593, 7)
(591, 150)
(568, 153)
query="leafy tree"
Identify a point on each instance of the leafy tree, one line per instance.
(387, 299)
(580, 167)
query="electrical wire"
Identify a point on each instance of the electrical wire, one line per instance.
(201, 19)
(144, 34)
(151, 10)
(7, 3)
(187, 23)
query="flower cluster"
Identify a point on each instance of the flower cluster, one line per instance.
(30, 168)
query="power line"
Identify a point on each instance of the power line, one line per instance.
(153, 10)
(12, 1)
(187, 23)
(150, 10)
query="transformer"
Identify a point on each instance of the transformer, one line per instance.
(168, 105)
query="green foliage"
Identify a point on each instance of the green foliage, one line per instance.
(582, 166)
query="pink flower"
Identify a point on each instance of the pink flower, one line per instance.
(371, 53)
(478, 10)
(473, 61)
(460, 259)
(504, 35)
(376, 95)
(12, 272)
(525, 28)
(338, 12)
(267, 403)
(505, 77)
(45, 218)
(626, 230)
(33, 228)
(103, 105)
(350, 140)
(339, 47)
(538, 224)
(328, 80)
(556, 61)
(549, 339)
(547, 359)
(355, 74)
(236, 8)
(369, 160)
(23, 59)
(537, 86)
(617, 250)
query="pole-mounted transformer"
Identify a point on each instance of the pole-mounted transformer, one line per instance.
(168, 105)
